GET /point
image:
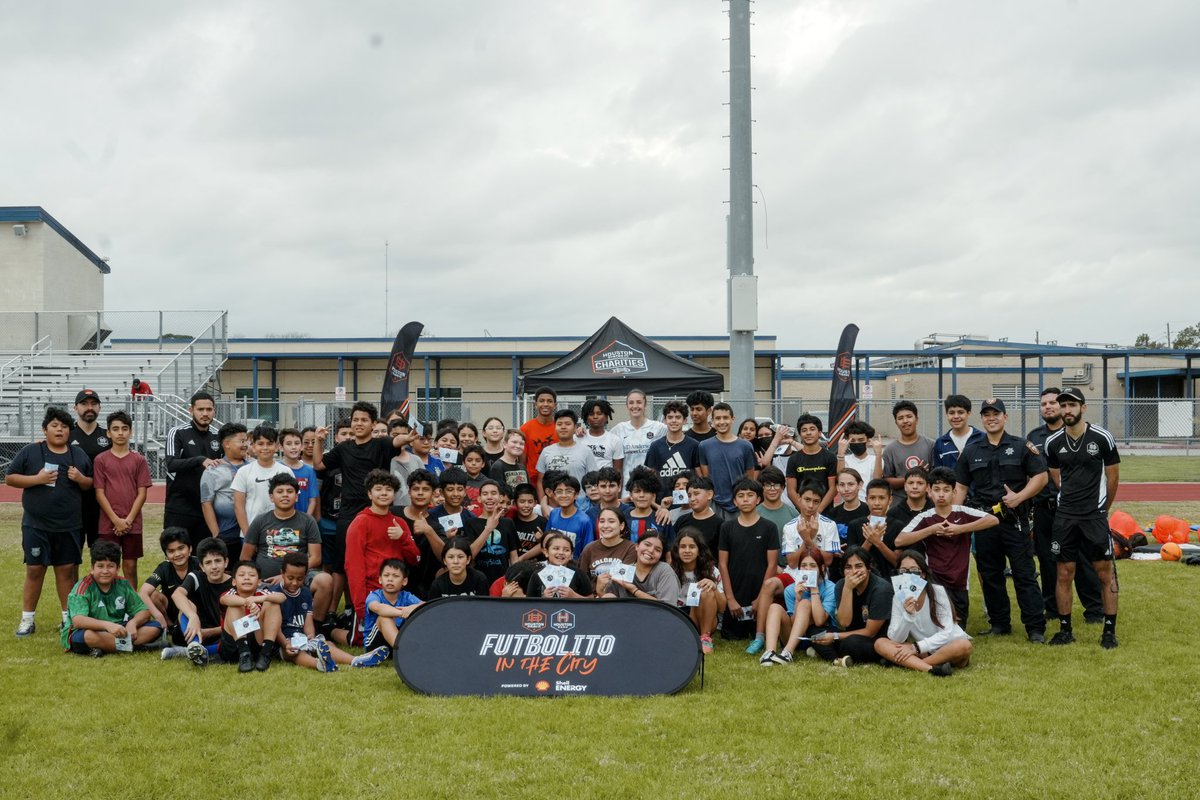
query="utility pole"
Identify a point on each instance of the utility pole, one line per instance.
(743, 285)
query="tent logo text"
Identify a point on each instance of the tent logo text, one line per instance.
(618, 358)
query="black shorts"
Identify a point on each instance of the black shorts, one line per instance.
(1075, 538)
(51, 548)
(374, 639)
(227, 650)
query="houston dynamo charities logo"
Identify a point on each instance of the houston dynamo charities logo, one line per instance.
(841, 367)
(618, 358)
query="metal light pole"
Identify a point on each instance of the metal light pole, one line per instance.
(742, 288)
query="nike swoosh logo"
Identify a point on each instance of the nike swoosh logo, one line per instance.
(262, 480)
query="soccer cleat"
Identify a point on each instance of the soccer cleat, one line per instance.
(768, 659)
(782, 657)
(173, 652)
(245, 657)
(197, 653)
(943, 670)
(27, 627)
(844, 661)
(96, 652)
(1037, 637)
(1108, 640)
(325, 662)
(755, 647)
(1062, 637)
(372, 659)
(706, 644)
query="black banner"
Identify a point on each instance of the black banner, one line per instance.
(395, 382)
(843, 402)
(546, 648)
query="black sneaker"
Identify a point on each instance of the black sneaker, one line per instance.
(96, 652)
(196, 653)
(245, 657)
(1037, 637)
(265, 655)
(1063, 637)
(943, 670)
(996, 630)
(1108, 640)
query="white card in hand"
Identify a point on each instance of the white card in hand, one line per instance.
(624, 572)
(565, 574)
(244, 626)
(451, 522)
(808, 578)
(911, 586)
(551, 576)
(447, 456)
(124, 645)
(679, 497)
(692, 598)
(51, 468)
(876, 522)
(299, 641)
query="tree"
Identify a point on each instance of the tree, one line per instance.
(1188, 338)
(1144, 342)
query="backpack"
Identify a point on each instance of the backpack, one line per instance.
(1123, 545)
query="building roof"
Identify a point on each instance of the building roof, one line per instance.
(39, 214)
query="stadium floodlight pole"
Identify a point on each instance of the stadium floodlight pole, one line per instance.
(742, 286)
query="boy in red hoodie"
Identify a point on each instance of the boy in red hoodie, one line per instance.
(374, 536)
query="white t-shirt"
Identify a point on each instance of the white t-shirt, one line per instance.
(605, 448)
(827, 539)
(865, 465)
(252, 480)
(576, 460)
(635, 442)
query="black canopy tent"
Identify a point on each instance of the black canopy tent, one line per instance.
(617, 358)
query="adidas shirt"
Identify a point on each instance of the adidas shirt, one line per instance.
(668, 460)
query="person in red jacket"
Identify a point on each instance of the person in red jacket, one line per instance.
(374, 536)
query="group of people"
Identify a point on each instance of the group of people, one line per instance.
(855, 554)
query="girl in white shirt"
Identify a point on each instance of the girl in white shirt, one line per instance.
(938, 643)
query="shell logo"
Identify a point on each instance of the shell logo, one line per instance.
(542, 686)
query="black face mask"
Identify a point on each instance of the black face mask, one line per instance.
(762, 443)
(858, 448)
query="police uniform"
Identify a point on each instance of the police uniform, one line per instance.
(986, 469)
(92, 444)
(1087, 582)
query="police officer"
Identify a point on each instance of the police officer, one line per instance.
(88, 436)
(1087, 583)
(1003, 473)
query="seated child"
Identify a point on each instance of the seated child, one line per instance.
(104, 611)
(386, 609)
(938, 643)
(159, 587)
(198, 599)
(255, 649)
(296, 617)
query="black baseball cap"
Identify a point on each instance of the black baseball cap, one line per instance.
(86, 394)
(1072, 394)
(993, 404)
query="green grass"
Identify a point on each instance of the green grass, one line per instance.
(1167, 469)
(1021, 721)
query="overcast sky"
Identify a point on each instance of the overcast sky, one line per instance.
(993, 168)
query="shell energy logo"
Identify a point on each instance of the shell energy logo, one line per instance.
(533, 620)
(618, 358)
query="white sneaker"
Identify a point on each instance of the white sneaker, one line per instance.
(27, 627)
(173, 652)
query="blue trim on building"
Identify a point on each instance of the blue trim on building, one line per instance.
(39, 214)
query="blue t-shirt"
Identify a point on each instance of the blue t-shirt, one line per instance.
(577, 527)
(309, 489)
(828, 601)
(727, 462)
(371, 619)
(295, 609)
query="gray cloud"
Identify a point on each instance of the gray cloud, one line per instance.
(985, 168)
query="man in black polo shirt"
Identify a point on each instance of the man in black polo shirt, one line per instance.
(1085, 465)
(1003, 473)
(1087, 585)
(89, 437)
(191, 449)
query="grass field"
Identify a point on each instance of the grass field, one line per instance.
(1160, 468)
(1021, 721)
